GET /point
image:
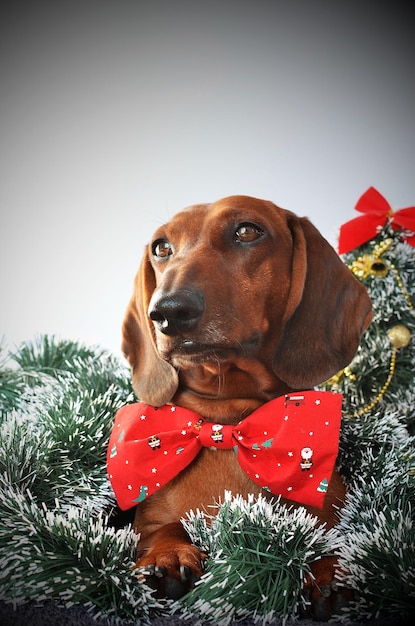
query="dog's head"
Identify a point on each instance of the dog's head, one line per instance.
(241, 279)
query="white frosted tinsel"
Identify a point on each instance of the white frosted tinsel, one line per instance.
(260, 553)
(377, 554)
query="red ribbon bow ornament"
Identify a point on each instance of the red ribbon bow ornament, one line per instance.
(377, 212)
(288, 446)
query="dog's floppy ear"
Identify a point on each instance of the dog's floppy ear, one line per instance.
(327, 311)
(155, 381)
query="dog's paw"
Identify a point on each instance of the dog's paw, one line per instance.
(323, 595)
(325, 602)
(173, 572)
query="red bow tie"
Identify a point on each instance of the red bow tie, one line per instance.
(377, 211)
(288, 446)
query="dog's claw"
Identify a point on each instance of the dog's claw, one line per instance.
(188, 576)
(160, 572)
(185, 573)
(144, 571)
(168, 582)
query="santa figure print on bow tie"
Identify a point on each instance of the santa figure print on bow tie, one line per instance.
(306, 456)
(217, 434)
(154, 442)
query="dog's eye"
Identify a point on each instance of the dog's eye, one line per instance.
(161, 249)
(247, 232)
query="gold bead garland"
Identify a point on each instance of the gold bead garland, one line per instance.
(402, 287)
(334, 380)
(399, 337)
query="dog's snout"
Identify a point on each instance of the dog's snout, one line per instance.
(177, 312)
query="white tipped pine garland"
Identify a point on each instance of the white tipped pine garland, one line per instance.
(57, 541)
(57, 536)
(260, 553)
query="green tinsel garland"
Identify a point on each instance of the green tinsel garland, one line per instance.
(57, 541)
(260, 553)
(57, 535)
(72, 557)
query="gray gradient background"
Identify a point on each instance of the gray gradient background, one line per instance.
(114, 115)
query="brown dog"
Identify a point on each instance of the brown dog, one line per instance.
(235, 303)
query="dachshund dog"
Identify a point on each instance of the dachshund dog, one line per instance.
(235, 303)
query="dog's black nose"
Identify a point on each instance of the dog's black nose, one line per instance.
(177, 312)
